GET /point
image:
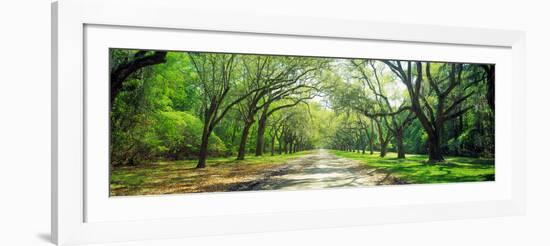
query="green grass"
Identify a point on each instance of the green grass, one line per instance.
(166, 177)
(416, 169)
(181, 176)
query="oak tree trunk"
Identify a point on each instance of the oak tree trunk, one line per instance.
(203, 152)
(400, 146)
(272, 146)
(244, 138)
(383, 142)
(434, 149)
(383, 149)
(371, 139)
(280, 146)
(490, 70)
(260, 136)
(289, 150)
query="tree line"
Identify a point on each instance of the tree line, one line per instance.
(444, 108)
(175, 105)
(197, 105)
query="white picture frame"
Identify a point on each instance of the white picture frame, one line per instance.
(82, 214)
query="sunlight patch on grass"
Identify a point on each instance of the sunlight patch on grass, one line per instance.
(416, 169)
(167, 177)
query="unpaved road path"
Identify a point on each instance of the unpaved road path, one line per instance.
(316, 171)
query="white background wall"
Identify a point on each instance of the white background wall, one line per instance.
(25, 123)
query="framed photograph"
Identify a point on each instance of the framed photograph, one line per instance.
(168, 125)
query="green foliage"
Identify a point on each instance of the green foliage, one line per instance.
(415, 139)
(161, 111)
(153, 117)
(458, 104)
(185, 109)
(179, 136)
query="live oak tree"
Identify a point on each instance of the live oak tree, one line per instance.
(216, 75)
(490, 78)
(295, 130)
(359, 135)
(195, 105)
(368, 129)
(437, 97)
(305, 87)
(255, 76)
(271, 107)
(215, 79)
(273, 79)
(122, 68)
(394, 116)
(276, 128)
(347, 138)
(127, 70)
(364, 91)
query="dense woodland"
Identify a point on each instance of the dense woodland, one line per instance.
(191, 105)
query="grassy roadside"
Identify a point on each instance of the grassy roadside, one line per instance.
(415, 169)
(167, 177)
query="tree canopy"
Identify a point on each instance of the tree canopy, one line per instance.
(199, 105)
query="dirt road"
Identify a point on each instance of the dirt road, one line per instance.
(316, 171)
